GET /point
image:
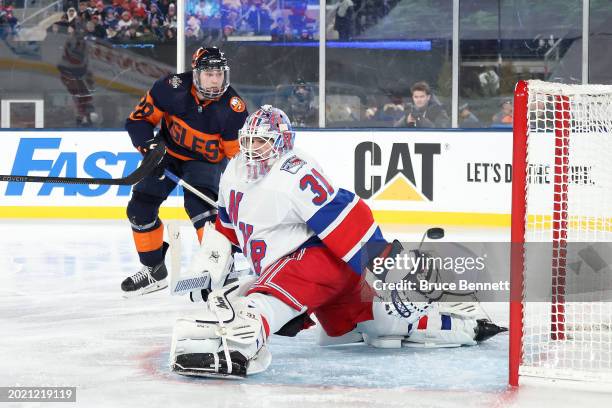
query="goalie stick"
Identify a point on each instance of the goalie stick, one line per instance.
(149, 162)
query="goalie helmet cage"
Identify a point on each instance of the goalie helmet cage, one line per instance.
(561, 193)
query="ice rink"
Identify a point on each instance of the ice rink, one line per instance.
(64, 323)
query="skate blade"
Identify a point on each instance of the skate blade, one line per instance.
(155, 287)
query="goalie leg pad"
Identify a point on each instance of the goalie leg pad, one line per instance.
(227, 340)
(351, 337)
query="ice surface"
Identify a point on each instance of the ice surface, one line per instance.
(63, 322)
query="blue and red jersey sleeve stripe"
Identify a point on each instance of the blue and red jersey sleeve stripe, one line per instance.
(346, 226)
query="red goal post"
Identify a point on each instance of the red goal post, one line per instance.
(561, 195)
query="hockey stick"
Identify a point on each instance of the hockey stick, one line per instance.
(191, 188)
(174, 239)
(149, 162)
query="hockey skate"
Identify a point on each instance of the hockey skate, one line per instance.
(148, 279)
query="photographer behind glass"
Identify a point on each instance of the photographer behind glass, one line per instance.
(301, 104)
(425, 111)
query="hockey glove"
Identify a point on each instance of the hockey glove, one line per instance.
(145, 149)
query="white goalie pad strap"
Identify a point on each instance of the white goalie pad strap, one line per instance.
(209, 266)
(219, 305)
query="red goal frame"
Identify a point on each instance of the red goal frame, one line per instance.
(519, 221)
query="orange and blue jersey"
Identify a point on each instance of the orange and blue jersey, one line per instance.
(192, 129)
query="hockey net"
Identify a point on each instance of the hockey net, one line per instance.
(561, 295)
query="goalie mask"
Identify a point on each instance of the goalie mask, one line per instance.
(211, 75)
(266, 135)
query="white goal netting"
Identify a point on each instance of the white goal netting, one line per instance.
(567, 296)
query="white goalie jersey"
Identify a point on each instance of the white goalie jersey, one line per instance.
(302, 209)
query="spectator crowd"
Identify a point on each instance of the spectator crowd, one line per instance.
(8, 21)
(120, 20)
(289, 20)
(423, 109)
(208, 21)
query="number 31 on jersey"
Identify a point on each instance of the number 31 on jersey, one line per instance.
(319, 186)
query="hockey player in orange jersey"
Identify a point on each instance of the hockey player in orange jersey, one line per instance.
(199, 114)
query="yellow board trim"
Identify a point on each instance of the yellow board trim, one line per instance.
(387, 217)
(97, 213)
(583, 223)
(442, 218)
(168, 213)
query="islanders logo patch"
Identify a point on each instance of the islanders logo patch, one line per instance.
(237, 104)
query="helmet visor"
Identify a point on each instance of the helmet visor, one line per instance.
(211, 83)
